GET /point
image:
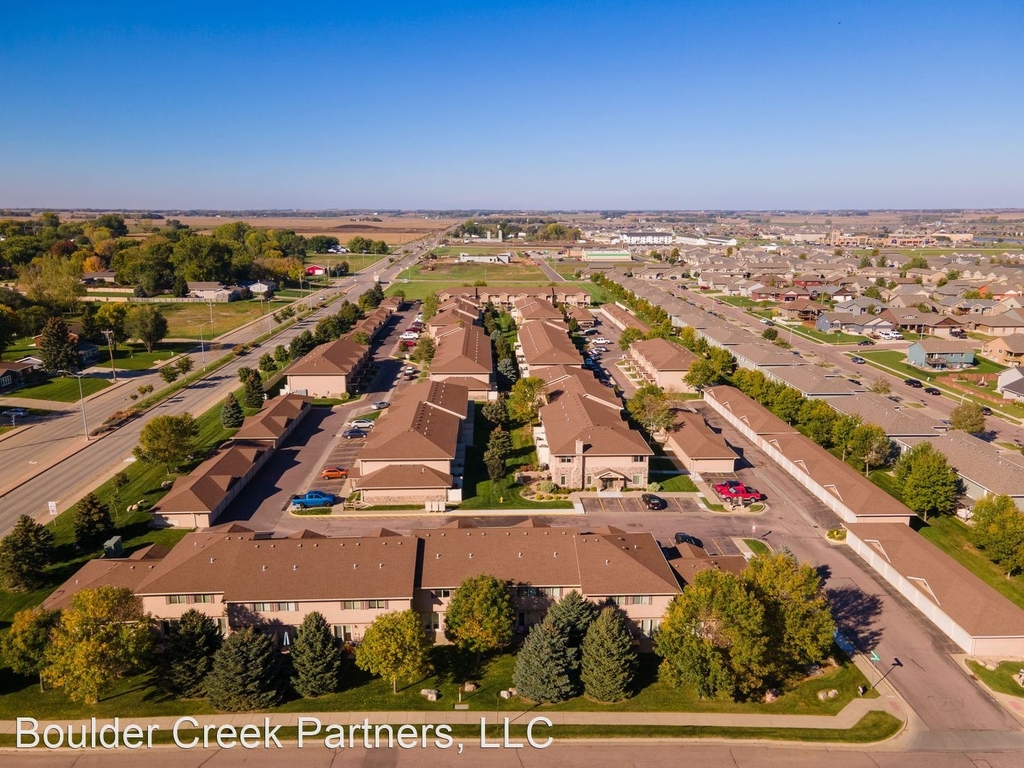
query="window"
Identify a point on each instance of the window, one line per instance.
(632, 599)
(527, 591)
(565, 459)
(438, 593)
(431, 622)
(350, 605)
(262, 607)
(561, 479)
(648, 626)
(590, 480)
(286, 606)
(552, 592)
(376, 604)
(636, 479)
(188, 599)
(639, 459)
(202, 598)
(177, 599)
(343, 632)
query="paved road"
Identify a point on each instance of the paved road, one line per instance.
(564, 754)
(89, 464)
(547, 269)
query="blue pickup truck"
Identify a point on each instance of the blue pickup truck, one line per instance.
(313, 499)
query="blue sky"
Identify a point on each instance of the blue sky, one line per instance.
(698, 105)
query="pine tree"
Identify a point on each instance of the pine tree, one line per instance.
(231, 416)
(246, 673)
(546, 668)
(56, 349)
(316, 658)
(92, 522)
(572, 616)
(188, 655)
(609, 661)
(24, 554)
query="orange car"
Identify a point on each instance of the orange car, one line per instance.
(333, 473)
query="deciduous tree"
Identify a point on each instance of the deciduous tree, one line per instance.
(25, 553)
(928, 484)
(650, 408)
(526, 398)
(480, 615)
(395, 647)
(430, 306)
(24, 645)
(628, 336)
(968, 417)
(168, 440)
(316, 657)
(101, 637)
(147, 324)
(999, 531)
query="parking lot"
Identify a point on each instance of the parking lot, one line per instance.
(631, 505)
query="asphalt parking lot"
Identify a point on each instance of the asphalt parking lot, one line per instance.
(630, 505)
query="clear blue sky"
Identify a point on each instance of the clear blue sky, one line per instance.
(702, 104)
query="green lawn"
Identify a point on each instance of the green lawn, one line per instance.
(824, 338)
(982, 365)
(494, 274)
(475, 250)
(897, 361)
(19, 348)
(757, 546)
(420, 289)
(598, 293)
(676, 484)
(64, 390)
(134, 357)
(184, 319)
(1001, 678)
(954, 538)
(479, 492)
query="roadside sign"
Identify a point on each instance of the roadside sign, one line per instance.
(53, 507)
(874, 656)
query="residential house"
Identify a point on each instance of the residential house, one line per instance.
(463, 356)
(13, 375)
(662, 362)
(929, 323)
(1005, 350)
(812, 381)
(213, 291)
(1004, 324)
(895, 419)
(1010, 383)
(801, 310)
(584, 317)
(622, 318)
(275, 421)
(936, 354)
(532, 308)
(330, 370)
(542, 344)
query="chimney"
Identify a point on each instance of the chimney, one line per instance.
(579, 447)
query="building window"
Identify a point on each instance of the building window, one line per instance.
(343, 632)
(647, 626)
(431, 622)
(552, 592)
(439, 593)
(636, 479)
(527, 591)
(375, 604)
(632, 599)
(561, 479)
(565, 459)
(188, 599)
(286, 606)
(177, 599)
(262, 607)
(590, 480)
(350, 605)
(639, 459)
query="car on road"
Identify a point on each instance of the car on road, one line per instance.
(380, 405)
(685, 538)
(361, 424)
(313, 499)
(353, 434)
(409, 336)
(651, 501)
(913, 383)
(932, 391)
(591, 332)
(866, 343)
(858, 360)
(333, 473)
(601, 340)
(599, 350)
(19, 412)
(588, 363)
(736, 492)
(986, 411)
(765, 321)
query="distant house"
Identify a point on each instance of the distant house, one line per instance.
(315, 270)
(12, 375)
(95, 278)
(88, 353)
(935, 353)
(487, 258)
(212, 291)
(1005, 350)
(1010, 384)
(262, 286)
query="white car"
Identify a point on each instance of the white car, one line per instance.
(361, 424)
(601, 340)
(409, 336)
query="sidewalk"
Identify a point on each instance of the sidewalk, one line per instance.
(846, 719)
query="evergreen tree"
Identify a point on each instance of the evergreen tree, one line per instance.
(500, 443)
(301, 345)
(56, 349)
(572, 616)
(496, 412)
(188, 655)
(24, 554)
(281, 355)
(246, 673)
(92, 522)
(231, 416)
(507, 368)
(546, 668)
(609, 660)
(252, 393)
(267, 363)
(316, 658)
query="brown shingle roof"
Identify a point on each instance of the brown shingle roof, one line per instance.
(331, 359)
(206, 486)
(466, 350)
(405, 476)
(273, 419)
(694, 438)
(664, 355)
(571, 417)
(545, 343)
(126, 572)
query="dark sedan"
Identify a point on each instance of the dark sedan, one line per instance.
(932, 391)
(352, 434)
(685, 538)
(913, 383)
(653, 502)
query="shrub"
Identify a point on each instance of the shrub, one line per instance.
(652, 487)
(546, 486)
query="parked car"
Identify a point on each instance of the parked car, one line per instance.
(601, 340)
(932, 391)
(353, 434)
(913, 383)
(591, 332)
(685, 538)
(409, 336)
(653, 502)
(313, 499)
(333, 473)
(598, 350)
(866, 343)
(19, 412)
(361, 424)
(858, 360)
(736, 492)
(380, 405)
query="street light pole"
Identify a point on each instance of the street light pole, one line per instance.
(81, 398)
(113, 371)
(202, 344)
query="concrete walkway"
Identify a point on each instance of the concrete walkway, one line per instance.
(847, 718)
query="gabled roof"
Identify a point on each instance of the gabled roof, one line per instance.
(544, 343)
(273, 419)
(664, 355)
(332, 359)
(423, 423)
(464, 350)
(204, 489)
(694, 438)
(405, 476)
(571, 418)
(127, 572)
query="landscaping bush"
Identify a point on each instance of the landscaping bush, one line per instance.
(653, 487)
(546, 486)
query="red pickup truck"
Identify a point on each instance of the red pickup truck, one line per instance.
(736, 492)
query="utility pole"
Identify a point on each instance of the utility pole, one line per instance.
(113, 371)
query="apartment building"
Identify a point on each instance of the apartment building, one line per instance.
(329, 370)
(542, 344)
(663, 363)
(464, 356)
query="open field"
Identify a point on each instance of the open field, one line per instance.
(476, 249)
(64, 390)
(394, 230)
(184, 319)
(494, 274)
